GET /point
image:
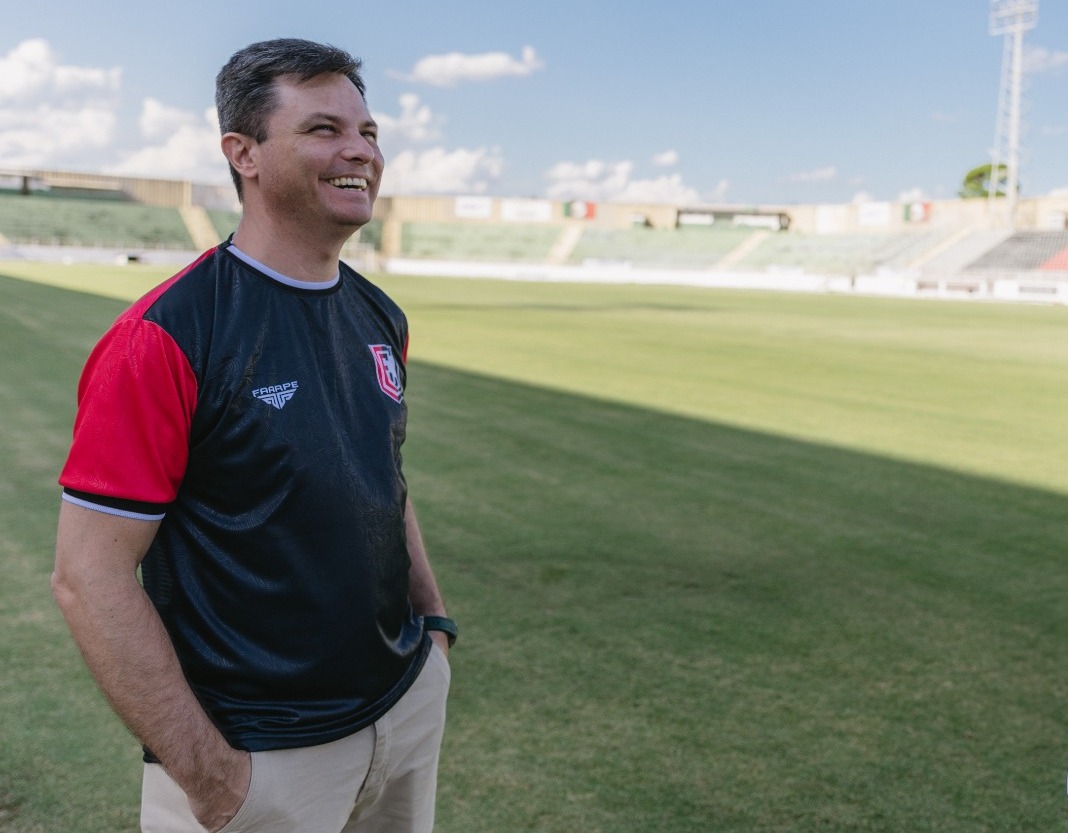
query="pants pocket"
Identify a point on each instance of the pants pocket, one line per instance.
(438, 656)
(250, 813)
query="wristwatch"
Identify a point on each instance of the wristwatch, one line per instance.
(443, 624)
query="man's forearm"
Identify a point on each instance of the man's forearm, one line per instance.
(132, 660)
(424, 593)
(130, 654)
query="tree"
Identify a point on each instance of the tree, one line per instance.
(978, 182)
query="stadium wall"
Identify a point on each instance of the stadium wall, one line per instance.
(1047, 212)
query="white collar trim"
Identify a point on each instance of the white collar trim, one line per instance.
(278, 276)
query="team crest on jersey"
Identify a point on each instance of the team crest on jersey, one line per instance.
(389, 379)
(276, 395)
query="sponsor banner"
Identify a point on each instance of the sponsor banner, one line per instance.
(526, 211)
(774, 222)
(1053, 220)
(917, 212)
(873, 214)
(473, 208)
(580, 210)
(831, 219)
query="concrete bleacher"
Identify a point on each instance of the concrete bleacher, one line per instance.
(1025, 251)
(952, 255)
(478, 241)
(87, 221)
(686, 248)
(224, 222)
(840, 254)
(738, 250)
(955, 248)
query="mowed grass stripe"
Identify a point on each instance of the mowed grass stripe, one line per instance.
(670, 623)
(974, 387)
(970, 386)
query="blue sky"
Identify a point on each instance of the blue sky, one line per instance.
(763, 101)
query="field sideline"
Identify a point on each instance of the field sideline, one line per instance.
(723, 560)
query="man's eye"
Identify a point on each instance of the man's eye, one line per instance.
(371, 137)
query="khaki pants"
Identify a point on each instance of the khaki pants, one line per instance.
(381, 779)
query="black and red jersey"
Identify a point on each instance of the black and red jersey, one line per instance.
(262, 421)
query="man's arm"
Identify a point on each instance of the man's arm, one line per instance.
(133, 661)
(424, 593)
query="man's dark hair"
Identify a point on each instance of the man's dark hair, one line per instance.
(245, 94)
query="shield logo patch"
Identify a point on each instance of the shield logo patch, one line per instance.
(389, 379)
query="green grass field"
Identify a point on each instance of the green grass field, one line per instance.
(723, 561)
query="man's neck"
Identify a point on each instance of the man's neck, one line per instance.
(309, 259)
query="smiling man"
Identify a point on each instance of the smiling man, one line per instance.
(238, 439)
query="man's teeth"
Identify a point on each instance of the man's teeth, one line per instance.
(349, 182)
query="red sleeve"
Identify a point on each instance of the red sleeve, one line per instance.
(136, 400)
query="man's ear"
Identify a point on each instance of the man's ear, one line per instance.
(239, 152)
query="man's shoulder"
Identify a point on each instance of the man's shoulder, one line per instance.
(180, 287)
(370, 291)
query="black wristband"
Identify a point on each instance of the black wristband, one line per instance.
(443, 624)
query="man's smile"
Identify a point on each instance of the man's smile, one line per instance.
(348, 182)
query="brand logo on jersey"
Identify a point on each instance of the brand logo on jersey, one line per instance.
(388, 373)
(276, 395)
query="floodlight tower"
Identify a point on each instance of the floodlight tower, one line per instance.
(1010, 18)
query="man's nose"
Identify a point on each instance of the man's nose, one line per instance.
(360, 148)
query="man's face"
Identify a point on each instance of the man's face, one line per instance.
(320, 162)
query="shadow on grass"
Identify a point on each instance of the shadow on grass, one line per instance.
(677, 625)
(667, 624)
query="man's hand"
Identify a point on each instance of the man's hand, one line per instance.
(132, 658)
(218, 793)
(441, 640)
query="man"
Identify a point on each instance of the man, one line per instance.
(238, 438)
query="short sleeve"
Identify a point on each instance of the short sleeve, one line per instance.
(136, 400)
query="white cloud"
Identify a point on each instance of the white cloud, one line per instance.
(416, 122)
(53, 115)
(183, 146)
(58, 116)
(47, 136)
(664, 189)
(25, 70)
(455, 67)
(915, 194)
(1037, 59)
(592, 181)
(599, 181)
(719, 193)
(818, 175)
(159, 120)
(31, 73)
(442, 171)
(667, 159)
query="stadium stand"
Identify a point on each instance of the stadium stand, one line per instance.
(224, 222)
(478, 241)
(955, 253)
(946, 247)
(693, 248)
(1026, 251)
(839, 254)
(199, 225)
(90, 221)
